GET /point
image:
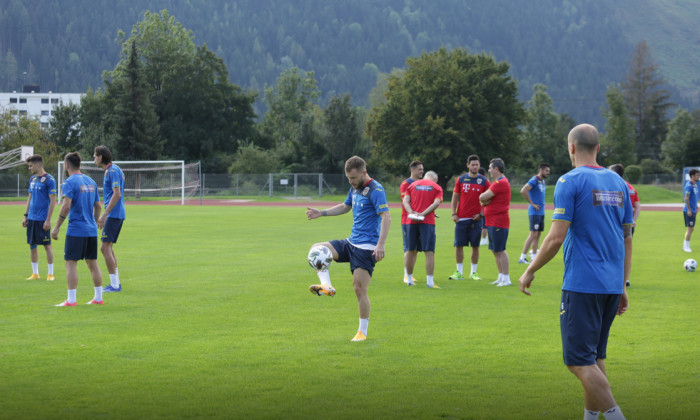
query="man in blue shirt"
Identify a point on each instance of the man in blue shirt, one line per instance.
(82, 201)
(37, 215)
(113, 217)
(534, 192)
(690, 205)
(593, 220)
(365, 246)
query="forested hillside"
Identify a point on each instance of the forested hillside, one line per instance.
(576, 47)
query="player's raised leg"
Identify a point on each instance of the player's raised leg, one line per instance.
(325, 288)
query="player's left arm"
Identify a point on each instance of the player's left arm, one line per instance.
(52, 205)
(406, 203)
(383, 234)
(62, 214)
(485, 197)
(431, 208)
(637, 209)
(624, 300)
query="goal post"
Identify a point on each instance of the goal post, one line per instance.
(148, 178)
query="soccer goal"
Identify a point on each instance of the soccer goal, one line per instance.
(15, 157)
(149, 178)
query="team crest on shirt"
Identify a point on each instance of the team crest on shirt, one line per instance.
(478, 181)
(365, 191)
(43, 178)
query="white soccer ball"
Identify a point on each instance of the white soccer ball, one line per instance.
(320, 257)
(690, 265)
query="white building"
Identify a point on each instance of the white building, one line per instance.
(36, 105)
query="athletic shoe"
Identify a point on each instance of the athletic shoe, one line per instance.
(627, 284)
(504, 283)
(457, 276)
(409, 284)
(33, 277)
(434, 286)
(685, 248)
(322, 289)
(523, 261)
(484, 241)
(66, 303)
(475, 276)
(94, 302)
(359, 337)
(50, 277)
(496, 282)
(405, 279)
(111, 289)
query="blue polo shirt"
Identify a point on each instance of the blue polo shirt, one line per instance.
(40, 187)
(367, 203)
(114, 178)
(690, 191)
(595, 201)
(82, 190)
(537, 192)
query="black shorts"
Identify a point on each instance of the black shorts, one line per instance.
(498, 237)
(357, 257)
(468, 232)
(420, 237)
(36, 235)
(585, 320)
(111, 229)
(80, 248)
(689, 220)
(536, 223)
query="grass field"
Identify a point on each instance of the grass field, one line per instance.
(215, 321)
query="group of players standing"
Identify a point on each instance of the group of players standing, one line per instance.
(81, 205)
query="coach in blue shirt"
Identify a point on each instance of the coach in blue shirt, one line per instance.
(593, 220)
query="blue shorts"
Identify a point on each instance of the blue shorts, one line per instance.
(357, 257)
(689, 220)
(421, 237)
(80, 248)
(468, 232)
(111, 229)
(36, 235)
(497, 238)
(404, 234)
(585, 320)
(536, 223)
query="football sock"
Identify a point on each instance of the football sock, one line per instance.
(114, 281)
(590, 415)
(98, 294)
(523, 256)
(410, 279)
(405, 272)
(429, 280)
(474, 268)
(325, 277)
(686, 244)
(506, 278)
(116, 273)
(71, 295)
(364, 323)
(460, 268)
(51, 269)
(35, 268)
(614, 414)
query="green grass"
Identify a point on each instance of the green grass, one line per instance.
(215, 321)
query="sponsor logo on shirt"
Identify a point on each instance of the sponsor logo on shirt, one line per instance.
(607, 198)
(87, 188)
(424, 188)
(559, 211)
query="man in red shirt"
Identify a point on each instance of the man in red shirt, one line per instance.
(416, 168)
(634, 198)
(468, 216)
(496, 202)
(421, 200)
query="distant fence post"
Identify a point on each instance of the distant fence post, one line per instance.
(270, 182)
(17, 185)
(320, 185)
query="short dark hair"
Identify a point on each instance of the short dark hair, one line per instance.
(73, 159)
(105, 153)
(544, 165)
(472, 157)
(618, 169)
(482, 170)
(35, 159)
(693, 172)
(355, 162)
(498, 163)
(415, 164)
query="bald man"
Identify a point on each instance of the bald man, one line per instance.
(593, 220)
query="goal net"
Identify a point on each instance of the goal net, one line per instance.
(161, 178)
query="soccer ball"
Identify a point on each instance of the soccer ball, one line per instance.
(690, 265)
(320, 257)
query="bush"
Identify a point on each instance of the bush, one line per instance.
(634, 174)
(650, 166)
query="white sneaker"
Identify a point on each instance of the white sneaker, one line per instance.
(523, 261)
(484, 241)
(504, 283)
(497, 282)
(687, 249)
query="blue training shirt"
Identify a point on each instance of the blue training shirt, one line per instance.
(40, 187)
(690, 191)
(367, 202)
(537, 192)
(82, 190)
(596, 202)
(114, 178)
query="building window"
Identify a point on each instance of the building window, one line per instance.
(23, 100)
(13, 100)
(44, 100)
(22, 112)
(44, 125)
(44, 113)
(54, 100)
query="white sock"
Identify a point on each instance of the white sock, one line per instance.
(114, 281)
(686, 244)
(405, 272)
(364, 323)
(506, 278)
(98, 294)
(51, 269)
(35, 268)
(474, 268)
(523, 256)
(590, 415)
(410, 279)
(429, 280)
(460, 268)
(614, 414)
(71, 295)
(116, 272)
(325, 277)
